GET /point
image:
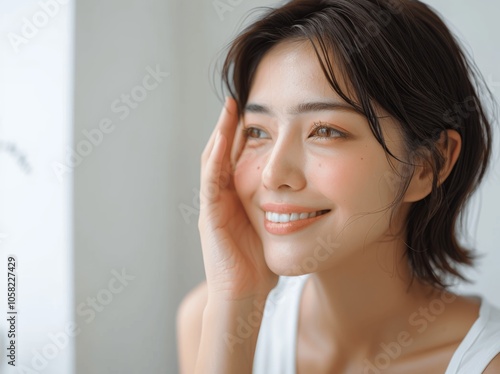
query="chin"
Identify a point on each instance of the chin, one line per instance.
(283, 262)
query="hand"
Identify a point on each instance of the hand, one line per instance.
(233, 255)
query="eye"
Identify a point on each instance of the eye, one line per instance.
(252, 132)
(326, 132)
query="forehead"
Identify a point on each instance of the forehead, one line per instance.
(291, 72)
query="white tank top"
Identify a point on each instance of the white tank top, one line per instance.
(275, 352)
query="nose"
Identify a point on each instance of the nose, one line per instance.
(284, 167)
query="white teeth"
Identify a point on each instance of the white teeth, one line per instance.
(283, 217)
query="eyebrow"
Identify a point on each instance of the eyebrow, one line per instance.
(317, 106)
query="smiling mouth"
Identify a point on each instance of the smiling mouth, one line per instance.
(290, 217)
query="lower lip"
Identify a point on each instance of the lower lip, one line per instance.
(289, 227)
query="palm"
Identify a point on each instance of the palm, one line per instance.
(241, 269)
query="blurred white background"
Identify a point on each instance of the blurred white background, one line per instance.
(105, 108)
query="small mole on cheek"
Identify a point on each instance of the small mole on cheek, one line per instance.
(361, 158)
(258, 167)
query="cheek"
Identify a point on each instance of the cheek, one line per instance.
(355, 184)
(247, 175)
(358, 191)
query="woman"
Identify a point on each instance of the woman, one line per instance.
(330, 193)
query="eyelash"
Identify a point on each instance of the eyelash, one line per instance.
(321, 125)
(317, 125)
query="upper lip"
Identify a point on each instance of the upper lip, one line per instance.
(288, 208)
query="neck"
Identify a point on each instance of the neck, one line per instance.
(365, 300)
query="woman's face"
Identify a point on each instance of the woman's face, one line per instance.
(286, 160)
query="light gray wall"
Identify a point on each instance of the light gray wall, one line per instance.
(124, 189)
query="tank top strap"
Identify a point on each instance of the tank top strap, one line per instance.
(480, 345)
(277, 340)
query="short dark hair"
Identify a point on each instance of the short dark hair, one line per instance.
(400, 55)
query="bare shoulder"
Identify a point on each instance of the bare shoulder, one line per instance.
(189, 321)
(494, 366)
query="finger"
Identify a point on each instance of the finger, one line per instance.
(237, 148)
(210, 143)
(229, 131)
(210, 179)
(228, 128)
(228, 113)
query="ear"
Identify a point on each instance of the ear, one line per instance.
(421, 182)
